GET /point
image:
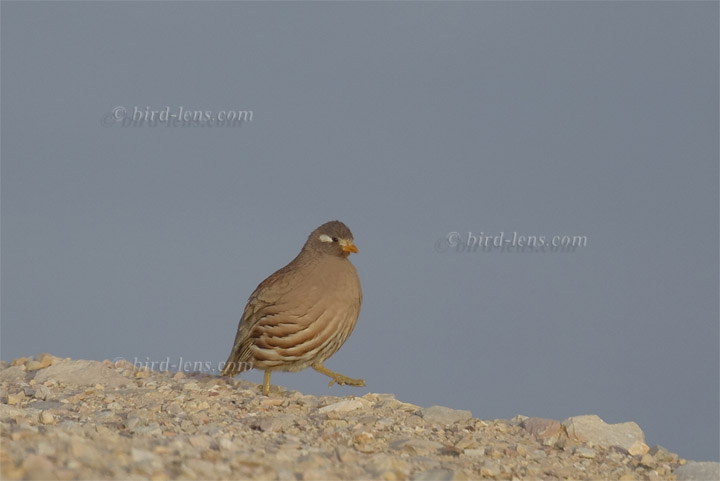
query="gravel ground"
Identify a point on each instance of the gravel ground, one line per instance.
(66, 419)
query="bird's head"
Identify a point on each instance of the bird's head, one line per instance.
(333, 238)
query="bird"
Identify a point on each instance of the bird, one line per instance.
(303, 313)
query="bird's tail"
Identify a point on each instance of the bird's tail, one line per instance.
(232, 368)
(237, 361)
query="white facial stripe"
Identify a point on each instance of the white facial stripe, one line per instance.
(325, 238)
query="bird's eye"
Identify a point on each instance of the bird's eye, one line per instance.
(335, 239)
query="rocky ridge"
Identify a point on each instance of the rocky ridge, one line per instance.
(74, 419)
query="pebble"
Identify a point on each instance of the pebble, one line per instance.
(38, 467)
(435, 475)
(345, 406)
(15, 398)
(68, 419)
(587, 453)
(46, 417)
(698, 471)
(490, 469)
(592, 429)
(444, 416)
(82, 373)
(542, 428)
(13, 374)
(415, 446)
(40, 362)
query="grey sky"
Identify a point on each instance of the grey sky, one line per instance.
(406, 121)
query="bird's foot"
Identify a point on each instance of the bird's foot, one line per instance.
(337, 377)
(266, 383)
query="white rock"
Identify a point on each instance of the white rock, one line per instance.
(46, 417)
(416, 446)
(142, 455)
(81, 373)
(9, 412)
(592, 429)
(444, 415)
(585, 453)
(13, 374)
(698, 471)
(347, 405)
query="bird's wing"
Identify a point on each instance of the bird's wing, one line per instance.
(267, 306)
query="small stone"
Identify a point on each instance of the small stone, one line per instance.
(648, 461)
(638, 448)
(227, 444)
(272, 402)
(518, 419)
(586, 453)
(592, 429)
(444, 416)
(46, 449)
(474, 452)
(344, 406)
(20, 361)
(384, 466)
(81, 373)
(450, 451)
(132, 422)
(46, 417)
(202, 441)
(415, 446)
(407, 407)
(363, 437)
(434, 475)
(10, 412)
(16, 398)
(203, 469)
(41, 362)
(346, 455)
(490, 469)
(271, 423)
(38, 467)
(316, 474)
(13, 374)
(663, 455)
(542, 428)
(698, 471)
(41, 392)
(142, 455)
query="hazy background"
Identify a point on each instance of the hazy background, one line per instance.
(407, 121)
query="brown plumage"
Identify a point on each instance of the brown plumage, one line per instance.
(301, 315)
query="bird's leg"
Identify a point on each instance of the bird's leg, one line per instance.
(337, 377)
(266, 383)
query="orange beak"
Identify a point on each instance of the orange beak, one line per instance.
(349, 247)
